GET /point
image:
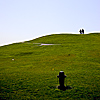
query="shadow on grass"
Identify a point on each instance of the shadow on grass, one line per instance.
(24, 53)
(64, 88)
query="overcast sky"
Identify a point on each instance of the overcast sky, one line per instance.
(27, 19)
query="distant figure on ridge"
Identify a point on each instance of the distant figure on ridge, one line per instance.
(80, 31)
(83, 31)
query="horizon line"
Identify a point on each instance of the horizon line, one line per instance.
(4, 44)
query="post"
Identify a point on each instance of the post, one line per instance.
(61, 77)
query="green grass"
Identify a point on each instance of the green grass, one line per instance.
(33, 72)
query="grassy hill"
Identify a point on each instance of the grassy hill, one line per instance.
(29, 71)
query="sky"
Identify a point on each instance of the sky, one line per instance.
(22, 20)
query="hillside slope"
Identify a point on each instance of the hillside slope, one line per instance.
(29, 70)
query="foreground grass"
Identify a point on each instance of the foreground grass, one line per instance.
(29, 71)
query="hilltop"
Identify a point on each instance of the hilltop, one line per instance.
(29, 70)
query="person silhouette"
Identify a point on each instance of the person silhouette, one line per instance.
(80, 31)
(83, 31)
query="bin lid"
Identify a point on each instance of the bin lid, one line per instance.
(61, 74)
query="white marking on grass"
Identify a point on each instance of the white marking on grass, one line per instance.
(48, 44)
(13, 59)
(41, 44)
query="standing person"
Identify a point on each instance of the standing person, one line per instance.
(83, 31)
(80, 31)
